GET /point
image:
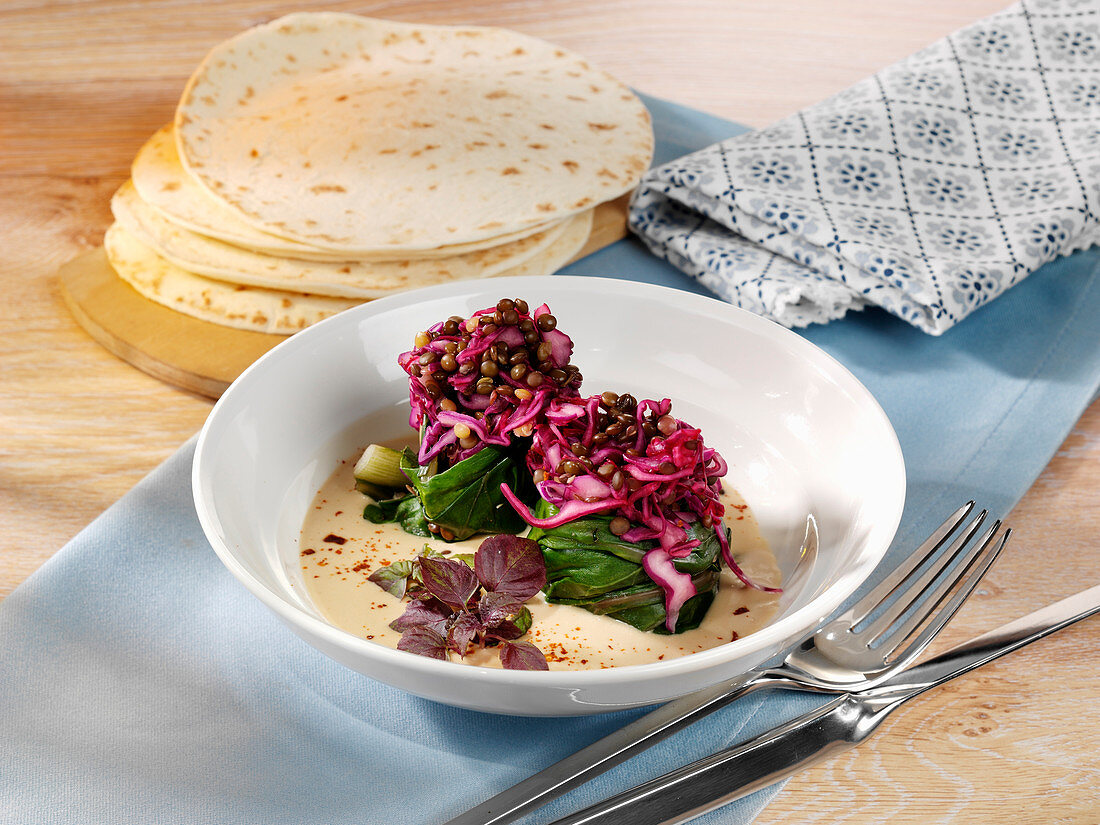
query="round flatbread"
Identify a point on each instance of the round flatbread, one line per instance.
(243, 307)
(278, 311)
(360, 279)
(163, 183)
(373, 137)
(544, 252)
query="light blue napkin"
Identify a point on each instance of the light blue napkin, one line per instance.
(139, 683)
(928, 189)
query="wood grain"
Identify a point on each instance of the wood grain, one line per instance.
(83, 82)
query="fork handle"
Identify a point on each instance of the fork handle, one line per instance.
(613, 749)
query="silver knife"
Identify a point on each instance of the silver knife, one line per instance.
(838, 725)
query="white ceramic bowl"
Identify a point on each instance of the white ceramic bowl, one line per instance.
(800, 433)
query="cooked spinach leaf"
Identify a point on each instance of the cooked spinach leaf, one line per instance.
(466, 498)
(405, 509)
(589, 566)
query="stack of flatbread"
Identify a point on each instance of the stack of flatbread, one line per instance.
(324, 159)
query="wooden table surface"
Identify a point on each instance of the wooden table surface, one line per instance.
(84, 82)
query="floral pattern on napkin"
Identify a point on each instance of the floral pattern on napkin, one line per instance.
(927, 189)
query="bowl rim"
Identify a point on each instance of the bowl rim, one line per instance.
(790, 626)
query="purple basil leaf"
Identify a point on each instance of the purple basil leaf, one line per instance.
(515, 627)
(427, 613)
(464, 630)
(495, 608)
(452, 582)
(423, 641)
(509, 564)
(393, 578)
(522, 656)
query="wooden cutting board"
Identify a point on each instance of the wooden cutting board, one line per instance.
(196, 355)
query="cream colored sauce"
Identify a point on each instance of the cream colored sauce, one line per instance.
(335, 576)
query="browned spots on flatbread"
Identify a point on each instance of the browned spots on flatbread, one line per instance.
(536, 145)
(341, 98)
(321, 188)
(607, 173)
(583, 202)
(571, 165)
(287, 303)
(559, 53)
(170, 186)
(404, 264)
(519, 51)
(420, 124)
(207, 99)
(346, 270)
(255, 153)
(471, 53)
(594, 88)
(545, 207)
(291, 58)
(547, 126)
(259, 318)
(387, 151)
(390, 39)
(497, 94)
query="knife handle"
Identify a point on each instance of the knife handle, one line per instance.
(604, 754)
(709, 783)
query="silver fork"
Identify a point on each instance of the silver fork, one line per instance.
(860, 649)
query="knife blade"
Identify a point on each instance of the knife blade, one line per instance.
(838, 725)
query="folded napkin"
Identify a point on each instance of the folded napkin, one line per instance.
(140, 683)
(927, 189)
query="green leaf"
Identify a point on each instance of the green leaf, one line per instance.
(393, 578)
(582, 574)
(589, 566)
(466, 498)
(405, 509)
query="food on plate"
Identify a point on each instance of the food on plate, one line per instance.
(478, 386)
(624, 501)
(629, 514)
(469, 603)
(361, 135)
(324, 159)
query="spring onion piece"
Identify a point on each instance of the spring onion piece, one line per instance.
(380, 466)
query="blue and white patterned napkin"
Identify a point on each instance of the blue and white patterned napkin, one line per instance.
(927, 189)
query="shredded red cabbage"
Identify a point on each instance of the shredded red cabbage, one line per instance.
(632, 459)
(476, 381)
